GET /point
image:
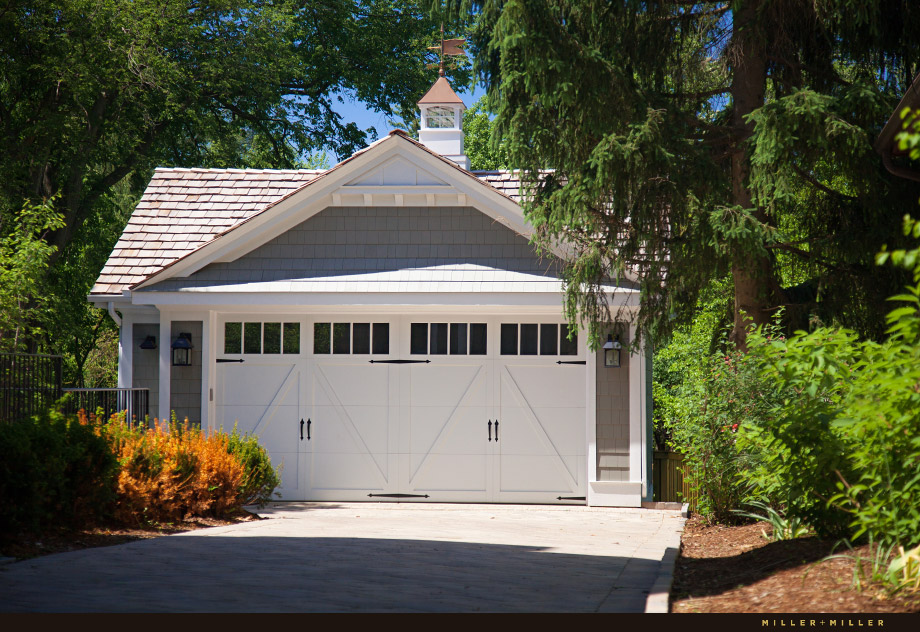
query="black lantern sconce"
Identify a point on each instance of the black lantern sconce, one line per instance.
(612, 351)
(150, 342)
(182, 350)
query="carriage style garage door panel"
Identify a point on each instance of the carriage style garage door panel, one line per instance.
(416, 411)
(264, 399)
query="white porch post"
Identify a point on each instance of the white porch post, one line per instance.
(590, 416)
(126, 352)
(208, 354)
(165, 350)
(637, 414)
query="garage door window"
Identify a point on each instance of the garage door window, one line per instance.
(447, 339)
(537, 339)
(351, 338)
(261, 338)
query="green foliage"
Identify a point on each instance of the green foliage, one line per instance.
(486, 151)
(781, 526)
(260, 478)
(693, 140)
(55, 472)
(845, 439)
(804, 457)
(24, 257)
(679, 366)
(909, 138)
(94, 94)
(904, 569)
(101, 368)
(702, 396)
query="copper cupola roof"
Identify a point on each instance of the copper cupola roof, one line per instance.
(440, 92)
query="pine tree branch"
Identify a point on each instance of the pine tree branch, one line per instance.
(811, 180)
(697, 95)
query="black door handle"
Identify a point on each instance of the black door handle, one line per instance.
(308, 429)
(490, 430)
(301, 429)
(496, 431)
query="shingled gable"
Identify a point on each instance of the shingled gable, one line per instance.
(353, 177)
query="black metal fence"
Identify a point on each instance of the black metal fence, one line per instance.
(134, 402)
(29, 383)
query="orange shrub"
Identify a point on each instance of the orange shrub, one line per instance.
(174, 474)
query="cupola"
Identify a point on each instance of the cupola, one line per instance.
(442, 122)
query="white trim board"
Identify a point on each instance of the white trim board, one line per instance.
(341, 299)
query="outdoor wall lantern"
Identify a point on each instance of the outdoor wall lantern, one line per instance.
(612, 351)
(150, 342)
(182, 350)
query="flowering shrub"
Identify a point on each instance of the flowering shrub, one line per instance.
(729, 397)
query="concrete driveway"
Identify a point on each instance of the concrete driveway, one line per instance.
(369, 557)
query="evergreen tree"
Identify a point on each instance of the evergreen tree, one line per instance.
(692, 140)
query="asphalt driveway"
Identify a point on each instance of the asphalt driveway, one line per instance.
(368, 557)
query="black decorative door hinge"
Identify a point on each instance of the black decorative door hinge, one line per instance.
(397, 496)
(219, 360)
(400, 361)
(571, 362)
(571, 498)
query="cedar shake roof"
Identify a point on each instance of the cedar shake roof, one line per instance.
(440, 92)
(182, 209)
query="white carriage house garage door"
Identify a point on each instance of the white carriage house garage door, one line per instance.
(410, 408)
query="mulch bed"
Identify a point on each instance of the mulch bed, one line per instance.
(23, 546)
(737, 569)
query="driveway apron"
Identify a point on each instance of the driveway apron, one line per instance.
(367, 557)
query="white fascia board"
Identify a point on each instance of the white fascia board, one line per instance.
(342, 299)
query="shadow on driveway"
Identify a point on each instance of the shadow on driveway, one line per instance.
(236, 573)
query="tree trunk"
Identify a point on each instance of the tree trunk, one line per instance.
(753, 275)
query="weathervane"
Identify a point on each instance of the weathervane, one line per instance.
(448, 48)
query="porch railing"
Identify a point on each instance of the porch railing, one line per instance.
(134, 402)
(29, 383)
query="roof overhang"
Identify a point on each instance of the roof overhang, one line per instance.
(236, 301)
